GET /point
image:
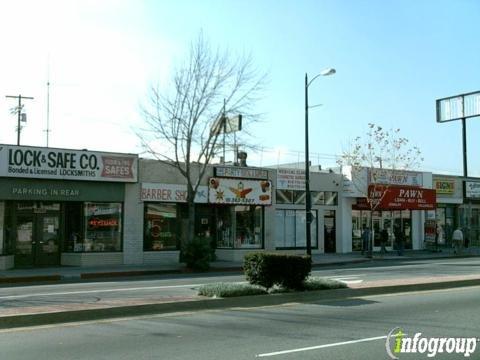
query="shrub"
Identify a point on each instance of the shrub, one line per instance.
(230, 289)
(318, 283)
(267, 269)
(197, 254)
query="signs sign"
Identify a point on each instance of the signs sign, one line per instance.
(458, 107)
(241, 172)
(395, 177)
(472, 190)
(239, 192)
(444, 186)
(401, 198)
(48, 163)
(170, 193)
(290, 179)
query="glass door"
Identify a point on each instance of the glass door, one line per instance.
(47, 240)
(24, 241)
(37, 234)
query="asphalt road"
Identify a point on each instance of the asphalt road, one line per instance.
(151, 288)
(336, 329)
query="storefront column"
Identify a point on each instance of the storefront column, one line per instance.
(133, 228)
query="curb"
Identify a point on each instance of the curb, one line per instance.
(126, 273)
(320, 296)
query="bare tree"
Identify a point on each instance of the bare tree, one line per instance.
(209, 86)
(384, 154)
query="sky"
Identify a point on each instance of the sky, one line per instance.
(393, 60)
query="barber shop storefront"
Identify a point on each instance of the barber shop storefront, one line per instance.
(58, 206)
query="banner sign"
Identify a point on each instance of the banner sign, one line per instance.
(240, 172)
(49, 163)
(239, 192)
(472, 190)
(290, 179)
(444, 186)
(401, 198)
(395, 177)
(171, 193)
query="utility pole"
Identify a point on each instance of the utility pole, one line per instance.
(19, 112)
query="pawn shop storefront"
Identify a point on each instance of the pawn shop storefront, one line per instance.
(51, 222)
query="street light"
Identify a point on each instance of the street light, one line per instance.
(308, 199)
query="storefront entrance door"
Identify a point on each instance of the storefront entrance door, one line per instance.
(37, 242)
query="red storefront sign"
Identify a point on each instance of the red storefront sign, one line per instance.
(381, 197)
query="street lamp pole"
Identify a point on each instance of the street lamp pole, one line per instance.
(308, 198)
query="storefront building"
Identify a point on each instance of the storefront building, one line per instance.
(469, 212)
(62, 207)
(231, 207)
(448, 214)
(290, 216)
(399, 201)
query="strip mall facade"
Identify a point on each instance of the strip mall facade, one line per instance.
(83, 208)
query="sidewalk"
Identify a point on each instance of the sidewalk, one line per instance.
(185, 300)
(70, 273)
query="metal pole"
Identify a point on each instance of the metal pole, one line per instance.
(464, 143)
(19, 129)
(19, 97)
(308, 205)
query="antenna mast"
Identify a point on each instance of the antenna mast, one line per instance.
(48, 101)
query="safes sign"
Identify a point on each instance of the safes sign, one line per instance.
(49, 163)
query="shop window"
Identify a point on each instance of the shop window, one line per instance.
(160, 227)
(318, 197)
(103, 228)
(2, 228)
(290, 229)
(240, 227)
(356, 230)
(73, 240)
(331, 198)
(284, 196)
(299, 197)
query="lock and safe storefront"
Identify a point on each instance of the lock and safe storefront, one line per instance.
(48, 219)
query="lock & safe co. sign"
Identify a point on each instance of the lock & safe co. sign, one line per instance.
(49, 163)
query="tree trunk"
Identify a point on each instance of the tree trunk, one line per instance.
(191, 215)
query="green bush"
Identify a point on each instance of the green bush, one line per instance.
(266, 269)
(230, 289)
(197, 254)
(319, 283)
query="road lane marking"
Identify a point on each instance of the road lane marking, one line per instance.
(283, 352)
(97, 291)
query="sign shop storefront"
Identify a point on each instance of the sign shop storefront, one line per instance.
(49, 163)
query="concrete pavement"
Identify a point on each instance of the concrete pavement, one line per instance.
(169, 301)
